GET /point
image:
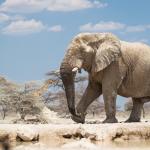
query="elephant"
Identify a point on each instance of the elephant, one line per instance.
(114, 67)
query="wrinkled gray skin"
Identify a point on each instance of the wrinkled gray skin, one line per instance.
(114, 67)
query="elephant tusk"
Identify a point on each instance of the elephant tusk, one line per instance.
(75, 69)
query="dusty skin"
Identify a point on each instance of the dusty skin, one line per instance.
(114, 68)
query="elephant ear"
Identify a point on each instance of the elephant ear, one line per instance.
(107, 52)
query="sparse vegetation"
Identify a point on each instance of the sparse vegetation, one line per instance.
(25, 99)
(29, 98)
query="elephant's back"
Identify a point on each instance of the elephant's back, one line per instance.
(132, 47)
(135, 53)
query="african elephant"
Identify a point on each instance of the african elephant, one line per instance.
(114, 67)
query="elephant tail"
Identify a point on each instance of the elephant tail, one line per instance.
(143, 112)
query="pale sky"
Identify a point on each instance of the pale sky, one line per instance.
(34, 34)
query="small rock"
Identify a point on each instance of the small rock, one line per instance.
(27, 134)
(30, 118)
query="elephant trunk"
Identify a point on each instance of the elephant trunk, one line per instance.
(68, 73)
(67, 77)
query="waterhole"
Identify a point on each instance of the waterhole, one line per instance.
(82, 144)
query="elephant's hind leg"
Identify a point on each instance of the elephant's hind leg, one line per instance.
(135, 115)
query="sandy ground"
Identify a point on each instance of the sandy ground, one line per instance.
(90, 119)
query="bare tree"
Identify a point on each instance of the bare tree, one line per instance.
(128, 105)
(8, 96)
(56, 100)
(24, 100)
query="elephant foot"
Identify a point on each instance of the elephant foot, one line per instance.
(110, 120)
(132, 120)
(78, 119)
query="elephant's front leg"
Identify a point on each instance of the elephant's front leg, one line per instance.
(110, 105)
(112, 79)
(92, 92)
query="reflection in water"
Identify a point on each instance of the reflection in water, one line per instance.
(4, 146)
(4, 143)
(124, 145)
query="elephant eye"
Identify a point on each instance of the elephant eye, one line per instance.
(82, 51)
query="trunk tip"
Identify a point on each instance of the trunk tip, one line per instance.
(72, 111)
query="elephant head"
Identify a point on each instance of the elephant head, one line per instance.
(93, 53)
